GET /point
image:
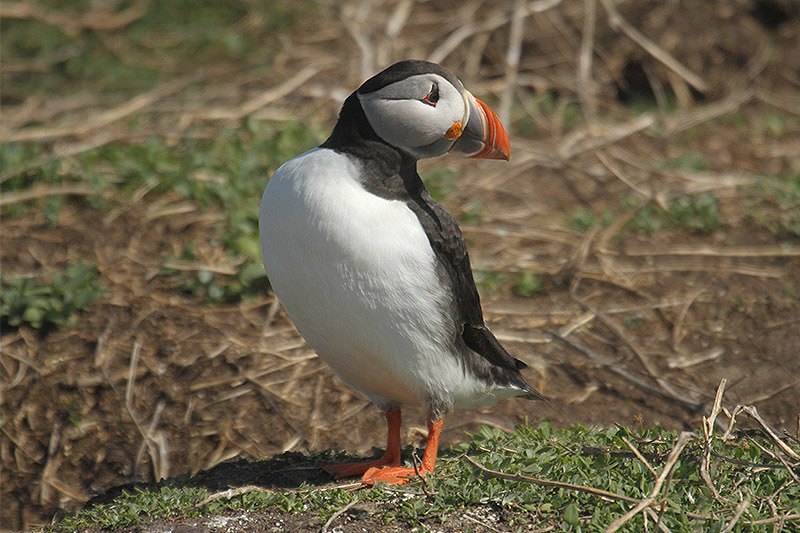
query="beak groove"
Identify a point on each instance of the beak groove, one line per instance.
(483, 134)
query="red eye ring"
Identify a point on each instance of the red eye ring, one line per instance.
(433, 96)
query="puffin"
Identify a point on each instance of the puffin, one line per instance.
(375, 273)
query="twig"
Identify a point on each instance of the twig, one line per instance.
(42, 191)
(591, 138)
(578, 322)
(749, 464)
(43, 63)
(753, 412)
(108, 116)
(774, 392)
(272, 94)
(676, 330)
(199, 267)
(63, 150)
(71, 23)
(515, 34)
(617, 22)
(708, 434)
(744, 504)
(697, 265)
(22, 371)
(354, 19)
(663, 507)
(774, 509)
(626, 373)
(657, 86)
(128, 399)
(549, 483)
(577, 259)
(615, 227)
(598, 450)
(394, 26)
(230, 493)
(131, 384)
(606, 160)
(683, 439)
(562, 485)
(777, 458)
(337, 514)
(101, 353)
(160, 459)
(639, 455)
(692, 117)
(53, 463)
(781, 518)
(417, 465)
(586, 87)
(540, 6)
(643, 357)
(464, 32)
(316, 408)
(25, 360)
(481, 522)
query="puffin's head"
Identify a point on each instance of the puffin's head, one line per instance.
(421, 108)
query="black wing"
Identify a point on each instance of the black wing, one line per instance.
(448, 243)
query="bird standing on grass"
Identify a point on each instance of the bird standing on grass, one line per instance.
(374, 272)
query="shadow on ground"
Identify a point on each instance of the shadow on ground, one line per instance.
(289, 470)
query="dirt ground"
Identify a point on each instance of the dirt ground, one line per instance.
(628, 327)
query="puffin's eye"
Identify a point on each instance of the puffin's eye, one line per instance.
(433, 96)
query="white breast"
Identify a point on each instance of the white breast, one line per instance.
(357, 275)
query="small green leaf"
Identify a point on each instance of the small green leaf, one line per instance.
(571, 515)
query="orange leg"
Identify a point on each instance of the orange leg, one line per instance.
(399, 475)
(390, 459)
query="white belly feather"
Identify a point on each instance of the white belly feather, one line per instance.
(357, 275)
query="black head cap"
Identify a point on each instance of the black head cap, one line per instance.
(405, 69)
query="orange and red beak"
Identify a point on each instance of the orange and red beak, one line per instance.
(482, 133)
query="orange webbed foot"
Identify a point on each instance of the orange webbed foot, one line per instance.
(399, 475)
(389, 475)
(390, 458)
(387, 469)
(356, 469)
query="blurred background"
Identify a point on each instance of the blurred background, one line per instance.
(641, 244)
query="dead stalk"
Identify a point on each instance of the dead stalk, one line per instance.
(708, 435)
(617, 22)
(682, 441)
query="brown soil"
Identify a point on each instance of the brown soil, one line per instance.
(152, 383)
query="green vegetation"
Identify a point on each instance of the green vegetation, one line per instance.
(441, 182)
(694, 213)
(224, 173)
(582, 219)
(167, 36)
(40, 303)
(132, 507)
(777, 205)
(580, 462)
(489, 282)
(528, 284)
(689, 160)
(699, 214)
(245, 281)
(774, 124)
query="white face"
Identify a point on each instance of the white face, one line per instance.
(415, 113)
